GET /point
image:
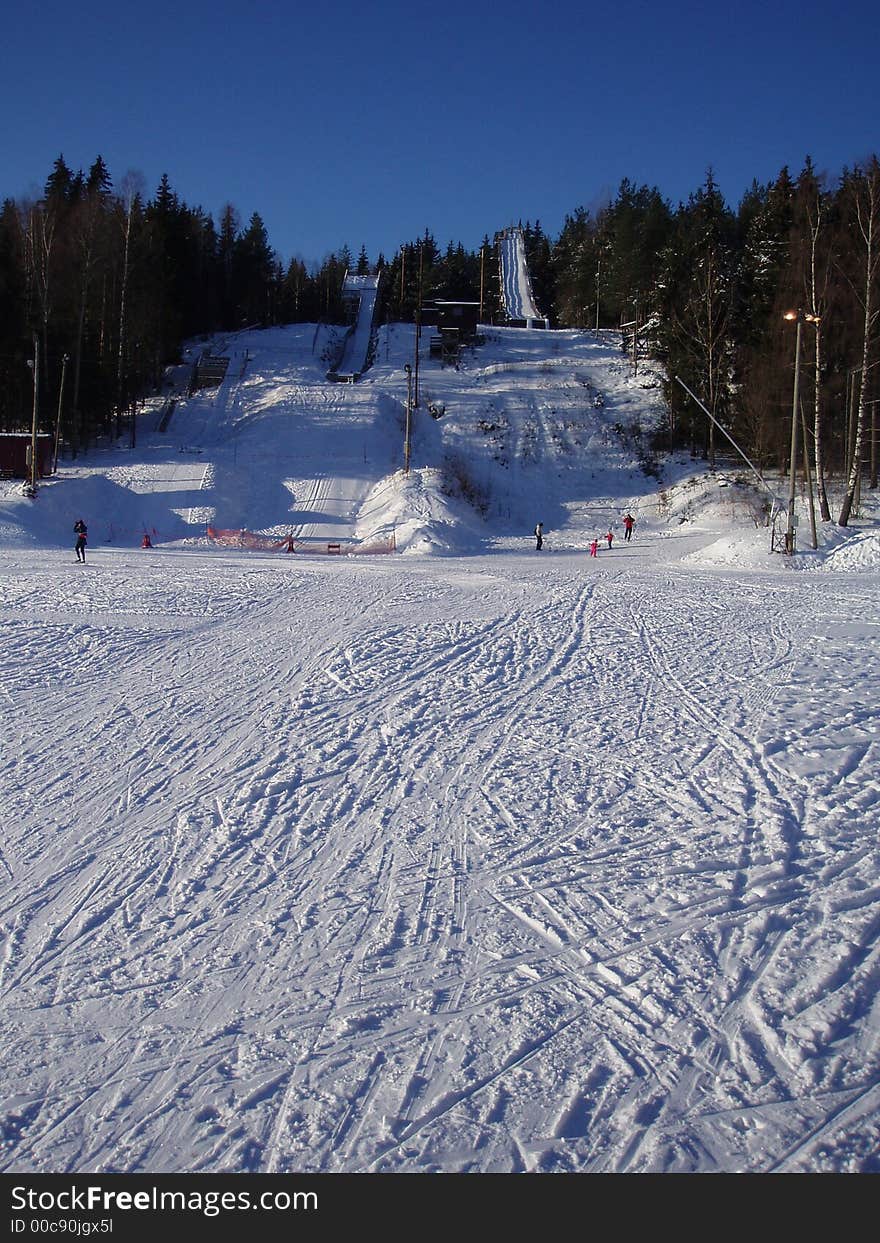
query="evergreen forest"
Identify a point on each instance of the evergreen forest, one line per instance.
(100, 285)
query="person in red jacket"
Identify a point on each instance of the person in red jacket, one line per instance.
(628, 523)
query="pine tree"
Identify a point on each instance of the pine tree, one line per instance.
(230, 227)
(254, 266)
(99, 182)
(294, 299)
(633, 232)
(576, 269)
(59, 188)
(696, 294)
(13, 318)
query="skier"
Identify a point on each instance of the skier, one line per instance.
(609, 536)
(594, 548)
(146, 542)
(539, 537)
(80, 547)
(628, 524)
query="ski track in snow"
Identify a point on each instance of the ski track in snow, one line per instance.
(497, 863)
(416, 895)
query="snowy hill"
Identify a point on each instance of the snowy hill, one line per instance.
(531, 425)
(460, 858)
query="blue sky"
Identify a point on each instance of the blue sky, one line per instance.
(364, 124)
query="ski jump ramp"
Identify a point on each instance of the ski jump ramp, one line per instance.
(360, 292)
(516, 285)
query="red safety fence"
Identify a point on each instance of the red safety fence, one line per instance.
(247, 539)
(238, 538)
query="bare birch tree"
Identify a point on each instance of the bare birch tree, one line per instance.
(816, 274)
(863, 190)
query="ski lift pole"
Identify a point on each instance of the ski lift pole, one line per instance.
(751, 465)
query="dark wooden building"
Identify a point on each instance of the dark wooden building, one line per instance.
(15, 448)
(464, 316)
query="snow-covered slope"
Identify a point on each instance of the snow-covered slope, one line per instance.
(470, 858)
(531, 426)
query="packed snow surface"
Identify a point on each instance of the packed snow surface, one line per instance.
(460, 858)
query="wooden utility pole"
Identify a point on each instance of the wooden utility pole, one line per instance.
(635, 350)
(33, 454)
(406, 446)
(418, 326)
(64, 361)
(850, 413)
(598, 273)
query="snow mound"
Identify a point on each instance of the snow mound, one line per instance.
(738, 550)
(719, 496)
(47, 521)
(840, 550)
(856, 552)
(423, 517)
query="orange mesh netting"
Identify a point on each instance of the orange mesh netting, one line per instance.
(238, 538)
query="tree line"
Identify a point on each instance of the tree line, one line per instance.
(714, 294)
(100, 286)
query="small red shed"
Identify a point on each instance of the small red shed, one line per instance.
(15, 448)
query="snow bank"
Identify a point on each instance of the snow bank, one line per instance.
(860, 551)
(424, 519)
(840, 550)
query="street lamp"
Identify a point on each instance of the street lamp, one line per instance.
(408, 369)
(799, 317)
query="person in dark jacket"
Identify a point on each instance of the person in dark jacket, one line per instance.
(539, 537)
(81, 532)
